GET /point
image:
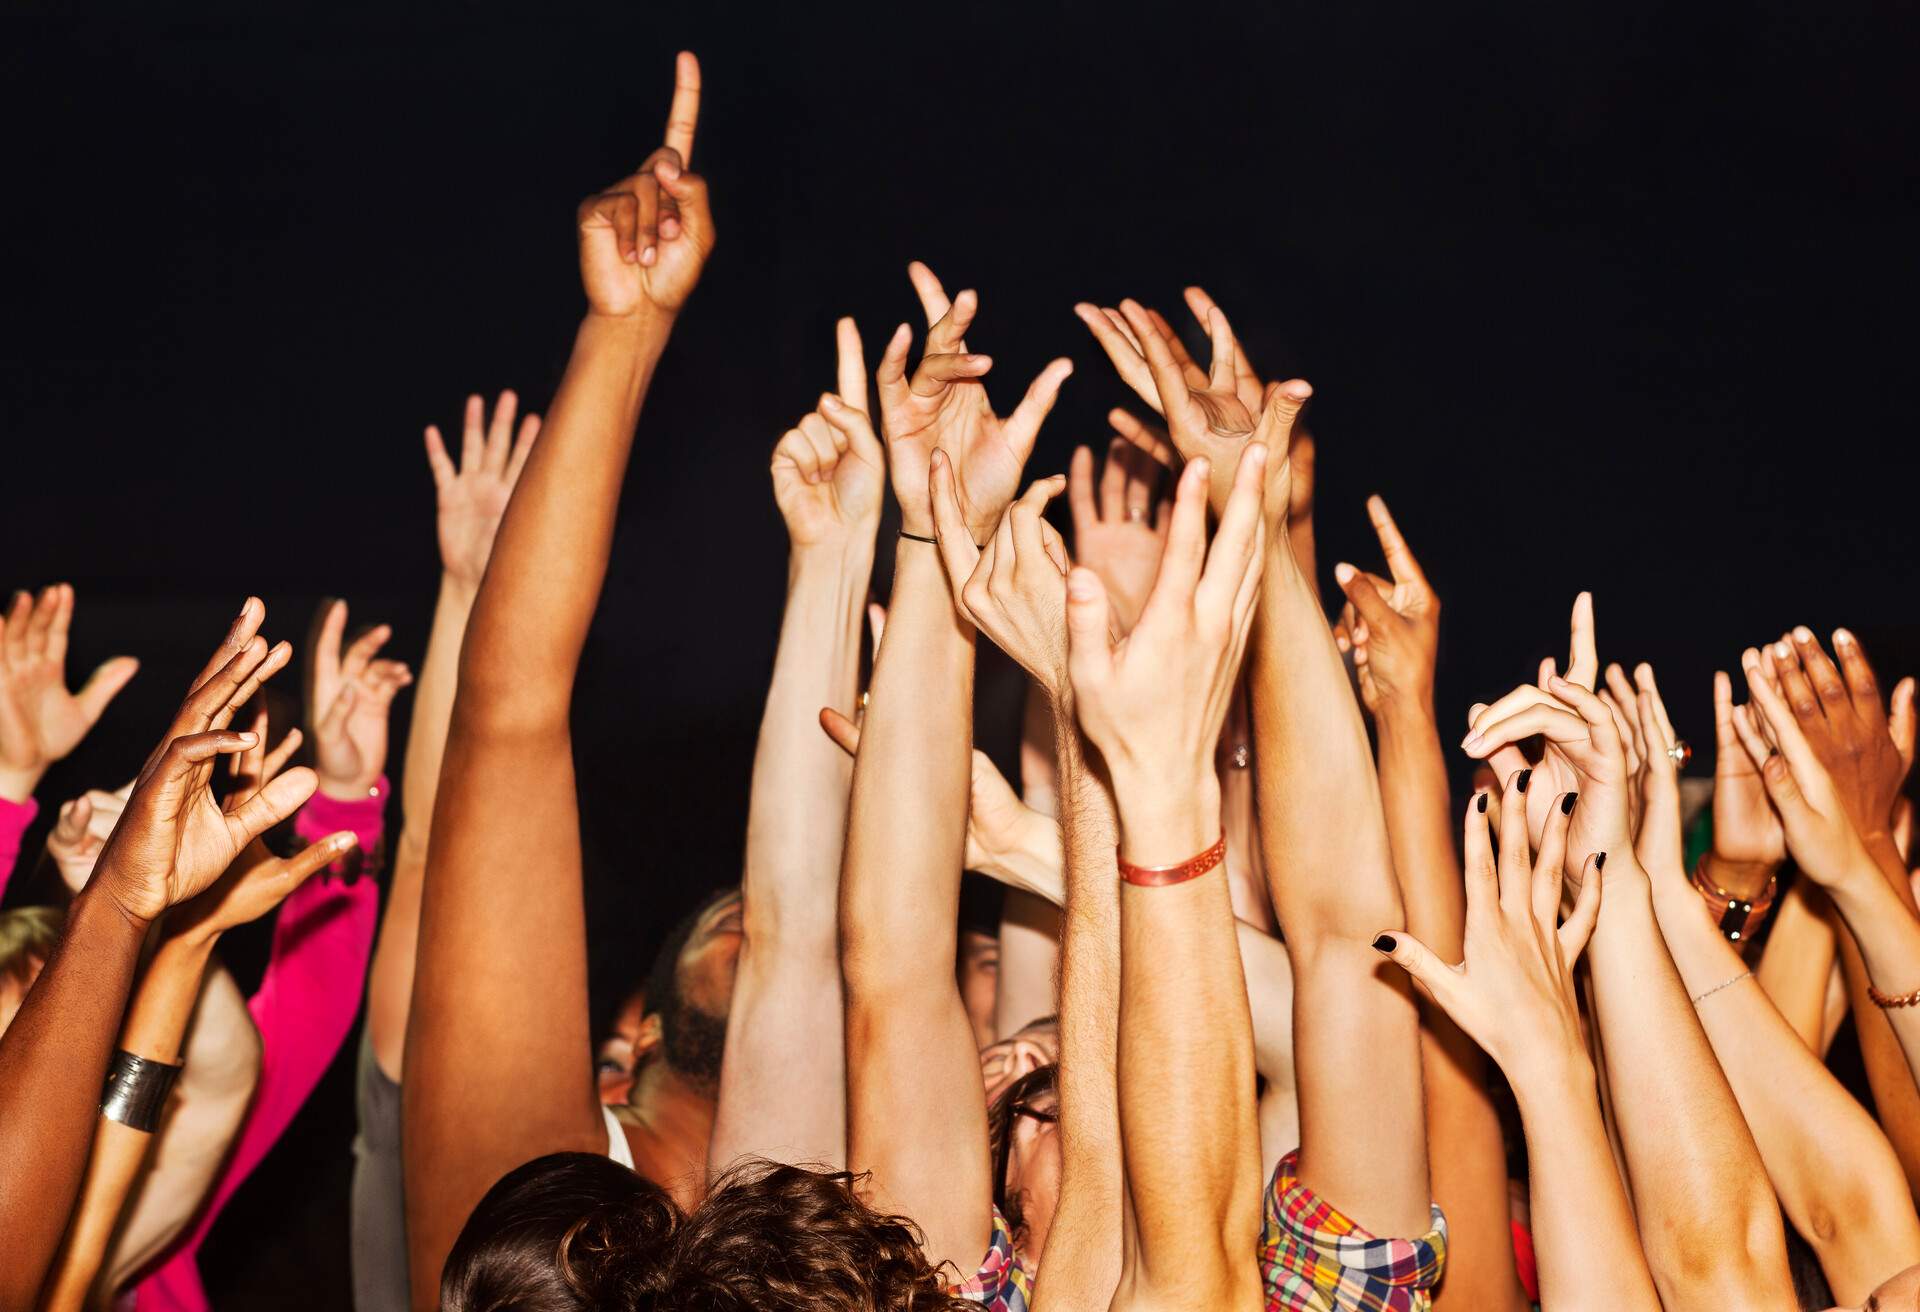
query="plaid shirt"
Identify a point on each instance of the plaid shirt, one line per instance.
(1313, 1259)
(1003, 1283)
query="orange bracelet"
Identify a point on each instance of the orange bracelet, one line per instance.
(1887, 1001)
(1160, 876)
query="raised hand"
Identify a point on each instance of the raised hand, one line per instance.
(1658, 842)
(473, 497)
(1206, 410)
(944, 406)
(1746, 828)
(1154, 702)
(174, 838)
(1513, 994)
(1579, 758)
(1820, 834)
(1865, 742)
(80, 833)
(40, 719)
(1015, 588)
(1122, 535)
(829, 473)
(645, 240)
(1392, 627)
(348, 697)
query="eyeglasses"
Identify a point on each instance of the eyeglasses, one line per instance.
(1025, 1103)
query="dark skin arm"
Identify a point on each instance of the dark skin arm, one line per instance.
(172, 841)
(502, 964)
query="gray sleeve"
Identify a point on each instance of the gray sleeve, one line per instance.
(379, 1205)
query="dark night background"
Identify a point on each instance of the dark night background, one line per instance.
(1611, 297)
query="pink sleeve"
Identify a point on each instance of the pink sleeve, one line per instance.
(305, 1007)
(14, 819)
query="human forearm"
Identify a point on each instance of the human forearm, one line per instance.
(1083, 1252)
(53, 1062)
(916, 1116)
(1706, 1213)
(543, 581)
(1185, 1055)
(1466, 1151)
(1334, 890)
(1583, 1231)
(1798, 960)
(783, 1085)
(155, 1026)
(390, 982)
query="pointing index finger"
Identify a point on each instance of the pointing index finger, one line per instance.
(684, 115)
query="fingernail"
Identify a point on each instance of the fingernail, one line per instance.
(1384, 943)
(1801, 633)
(1480, 803)
(1342, 572)
(1841, 635)
(1526, 777)
(1600, 861)
(1781, 650)
(1080, 587)
(1566, 803)
(1471, 743)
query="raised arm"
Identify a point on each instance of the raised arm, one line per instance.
(1513, 993)
(502, 966)
(470, 500)
(155, 1032)
(783, 1083)
(1834, 1172)
(1154, 704)
(1827, 847)
(1393, 629)
(40, 720)
(172, 841)
(916, 1115)
(1708, 1221)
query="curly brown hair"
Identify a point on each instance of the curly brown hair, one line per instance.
(574, 1231)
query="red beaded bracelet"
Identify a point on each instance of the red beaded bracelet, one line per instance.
(1160, 876)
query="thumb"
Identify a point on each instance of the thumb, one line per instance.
(1900, 719)
(104, 686)
(1089, 649)
(689, 191)
(1365, 596)
(1418, 960)
(1578, 926)
(844, 732)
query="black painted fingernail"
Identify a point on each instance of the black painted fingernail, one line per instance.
(1566, 803)
(1526, 777)
(1481, 803)
(1600, 861)
(1384, 943)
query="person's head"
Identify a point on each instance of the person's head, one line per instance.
(977, 964)
(1899, 1294)
(573, 1231)
(626, 1042)
(1022, 1129)
(28, 936)
(690, 989)
(1034, 1045)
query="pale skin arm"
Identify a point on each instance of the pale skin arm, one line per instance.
(1030, 926)
(471, 498)
(502, 966)
(1393, 628)
(916, 1111)
(1514, 994)
(1154, 705)
(1708, 1220)
(1834, 1171)
(783, 1084)
(1083, 1253)
(1798, 962)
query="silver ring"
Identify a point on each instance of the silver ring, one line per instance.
(1241, 757)
(1136, 514)
(1680, 753)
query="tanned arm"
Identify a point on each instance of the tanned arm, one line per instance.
(502, 961)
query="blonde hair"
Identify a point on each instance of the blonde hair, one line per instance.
(28, 936)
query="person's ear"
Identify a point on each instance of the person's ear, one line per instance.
(646, 1038)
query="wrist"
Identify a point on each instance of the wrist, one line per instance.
(1408, 713)
(18, 782)
(1747, 879)
(845, 556)
(458, 590)
(104, 903)
(1163, 823)
(1547, 1079)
